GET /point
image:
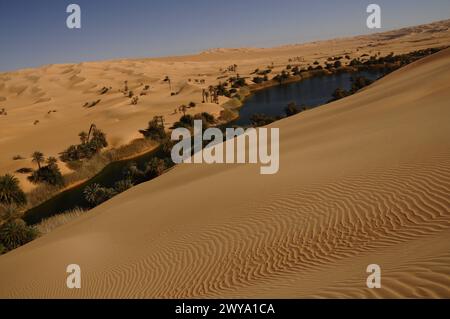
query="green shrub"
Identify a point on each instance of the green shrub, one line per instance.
(16, 233)
(209, 118)
(123, 185)
(222, 90)
(96, 194)
(166, 149)
(89, 146)
(238, 82)
(155, 168)
(262, 119)
(258, 80)
(155, 130)
(49, 174)
(291, 109)
(282, 77)
(10, 191)
(186, 121)
(340, 93)
(359, 82)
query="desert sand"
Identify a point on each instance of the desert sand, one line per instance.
(31, 96)
(362, 180)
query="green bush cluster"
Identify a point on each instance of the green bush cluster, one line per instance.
(91, 144)
(187, 121)
(155, 130)
(291, 109)
(10, 191)
(15, 233)
(95, 194)
(49, 174)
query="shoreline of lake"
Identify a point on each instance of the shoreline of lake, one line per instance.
(28, 216)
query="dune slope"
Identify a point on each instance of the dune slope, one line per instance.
(363, 180)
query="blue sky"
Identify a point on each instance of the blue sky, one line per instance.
(34, 33)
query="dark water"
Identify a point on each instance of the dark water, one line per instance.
(73, 198)
(310, 92)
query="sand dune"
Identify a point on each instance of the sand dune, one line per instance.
(28, 95)
(363, 180)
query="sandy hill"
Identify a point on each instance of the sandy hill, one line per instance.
(363, 180)
(45, 106)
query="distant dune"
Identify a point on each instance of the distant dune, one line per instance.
(363, 180)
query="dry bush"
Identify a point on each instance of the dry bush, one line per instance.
(228, 115)
(132, 149)
(49, 224)
(88, 168)
(41, 193)
(233, 103)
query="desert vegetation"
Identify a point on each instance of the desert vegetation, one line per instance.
(91, 104)
(10, 191)
(187, 121)
(87, 168)
(357, 84)
(133, 174)
(49, 173)
(227, 115)
(91, 143)
(263, 119)
(237, 81)
(13, 231)
(155, 129)
(96, 194)
(87, 158)
(291, 109)
(49, 224)
(104, 90)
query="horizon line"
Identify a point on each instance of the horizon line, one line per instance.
(202, 51)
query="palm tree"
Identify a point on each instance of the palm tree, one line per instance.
(8, 213)
(10, 191)
(52, 161)
(91, 193)
(16, 233)
(38, 158)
